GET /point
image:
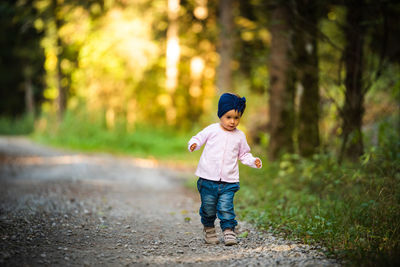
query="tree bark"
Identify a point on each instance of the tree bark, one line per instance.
(172, 58)
(352, 144)
(29, 98)
(62, 95)
(225, 48)
(281, 97)
(28, 88)
(307, 76)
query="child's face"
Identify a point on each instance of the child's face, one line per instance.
(230, 120)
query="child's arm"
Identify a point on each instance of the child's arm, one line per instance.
(246, 157)
(198, 140)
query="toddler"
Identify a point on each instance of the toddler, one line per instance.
(218, 170)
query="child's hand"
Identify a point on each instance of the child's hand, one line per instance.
(258, 163)
(193, 147)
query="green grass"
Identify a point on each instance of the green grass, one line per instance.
(88, 134)
(18, 126)
(352, 210)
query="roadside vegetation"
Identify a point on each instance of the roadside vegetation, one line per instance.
(16, 126)
(90, 133)
(351, 209)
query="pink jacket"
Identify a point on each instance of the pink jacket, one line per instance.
(219, 160)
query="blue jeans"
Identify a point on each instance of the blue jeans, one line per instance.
(217, 200)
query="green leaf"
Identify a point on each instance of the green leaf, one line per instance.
(244, 234)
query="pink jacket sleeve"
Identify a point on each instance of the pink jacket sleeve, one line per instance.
(244, 154)
(199, 139)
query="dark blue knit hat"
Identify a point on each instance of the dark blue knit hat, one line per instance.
(230, 101)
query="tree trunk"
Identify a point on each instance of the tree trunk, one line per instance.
(353, 110)
(62, 95)
(281, 97)
(29, 98)
(29, 94)
(307, 76)
(225, 48)
(172, 58)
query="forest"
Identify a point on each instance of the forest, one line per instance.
(140, 77)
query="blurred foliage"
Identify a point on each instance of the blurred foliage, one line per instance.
(22, 125)
(352, 210)
(89, 132)
(115, 63)
(113, 59)
(21, 57)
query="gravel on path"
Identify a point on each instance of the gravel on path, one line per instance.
(62, 208)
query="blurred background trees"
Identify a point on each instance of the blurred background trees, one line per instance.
(318, 75)
(22, 71)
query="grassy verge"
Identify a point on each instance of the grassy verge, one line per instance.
(17, 126)
(352, 210)
(142, 141)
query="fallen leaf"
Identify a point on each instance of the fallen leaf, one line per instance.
(244, 234)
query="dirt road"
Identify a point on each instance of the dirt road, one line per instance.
(59, 208)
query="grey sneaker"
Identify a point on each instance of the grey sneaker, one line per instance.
(210, 236)
(230, 237)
